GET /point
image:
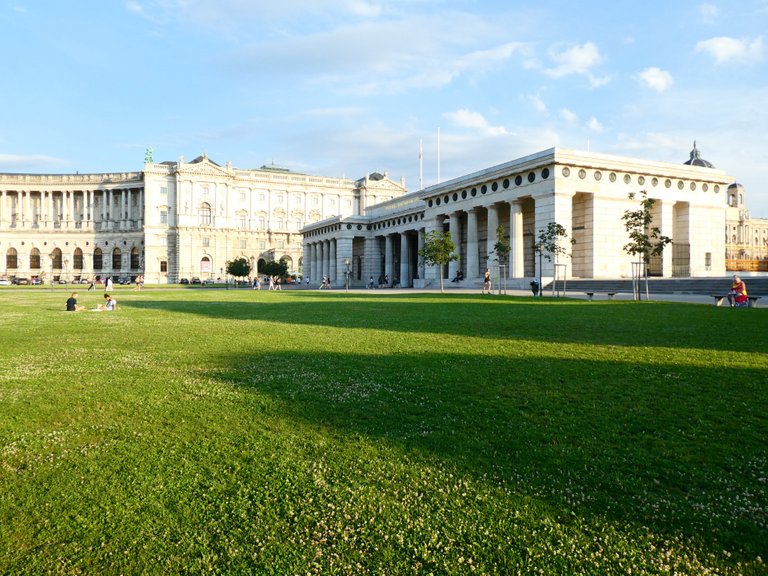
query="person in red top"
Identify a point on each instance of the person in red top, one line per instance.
(737, 296)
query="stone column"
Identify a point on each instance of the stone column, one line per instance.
(421, 268)
(333, 268)
(307, 261)
(389, 257)
(666, 224)
(3, 209)
(371, 258)
(473, 269)
(455, 232)
(405, 264)
(517, 252)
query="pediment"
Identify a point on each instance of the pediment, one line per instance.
(202, 165)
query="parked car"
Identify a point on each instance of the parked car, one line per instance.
(184, 281)
(5, 282)
(196, 280)
(20, 281)
(35, 281)
(124, 281)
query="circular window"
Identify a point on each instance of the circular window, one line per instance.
(668, 183)
(717, 189)
(445, 199)
(349, 226)
(693, 186)
(612, 176)
(518, 180)
(680, 185)
(463, 194)
(545, 173)
(655, 182)
(483, 189)
(705, 187)
(627, 178)
(505, 183)
(455, 196)
(641, 180)
(474, 192)
(598, 176)
(495, 186)
(429, 203)
(566, 171)
(531, 176)
(582, 174)
(359, 226)
(368, 227)
(437, 201)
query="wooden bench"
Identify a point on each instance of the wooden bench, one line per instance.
(751, 300)
(590, 295)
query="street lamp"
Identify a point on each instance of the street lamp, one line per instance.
(66, 271)
(346, 265)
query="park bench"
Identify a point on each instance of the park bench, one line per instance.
(751, 300)
(590, 295)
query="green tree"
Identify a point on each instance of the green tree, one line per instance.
(645, 240)
(438, 250)
(502, 247)
(550, 245)
(239, 267)
(275, 268)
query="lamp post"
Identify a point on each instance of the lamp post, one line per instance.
(66, 272)
(346, 265)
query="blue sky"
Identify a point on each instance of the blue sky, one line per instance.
(347, 87)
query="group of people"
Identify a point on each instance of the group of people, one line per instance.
(273, 282)
(109, 305)
(325, 283)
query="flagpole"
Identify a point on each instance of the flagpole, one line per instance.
(438, 155)
(421, 164)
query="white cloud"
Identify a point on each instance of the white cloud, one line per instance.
(577, 59)
(709, 12)
(465, 118)
(725, 48)
(569, 116)
(656, 78)
(365, 9)
(36, 160)
(538, 104)
(595, 126)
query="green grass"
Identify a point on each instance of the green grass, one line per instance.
(242, 432)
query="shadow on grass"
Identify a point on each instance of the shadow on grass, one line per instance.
(662, 324)
(674, 449)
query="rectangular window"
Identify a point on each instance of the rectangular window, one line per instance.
(262, 244)
(163, 241)
(279, 198)
(243, 244)
(315, 201)
(206, 241)
(297, 224)
(242, 195)
(708, 260)
(163, 266)
(279, 223)
(281, 244)
(164, 191)
(262, 197)
(242, 222)
(163, 216)
(262, 223)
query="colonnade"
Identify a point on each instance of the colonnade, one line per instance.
(113, 209)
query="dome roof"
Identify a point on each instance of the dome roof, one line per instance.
(697, 160)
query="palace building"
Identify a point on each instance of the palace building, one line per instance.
(172, 220)
(176, 219)
(586, 193)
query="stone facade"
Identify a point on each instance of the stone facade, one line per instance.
(586, 193)
(172, 220)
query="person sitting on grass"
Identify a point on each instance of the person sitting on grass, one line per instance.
(72, 305)
(737, 295)
(110, 304)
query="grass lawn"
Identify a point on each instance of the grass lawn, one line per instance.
(307, 432)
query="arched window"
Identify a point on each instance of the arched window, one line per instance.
(56, 256)
(134, 258)
(117, 259)
(77, 259)
(11, 258)
(97, 259)
(34, 259)
(204, 214)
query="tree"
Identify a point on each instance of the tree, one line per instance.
(239, 267)
(438, 250)
(273, 268)
(549, 244)
(502, 249)
(645, 240)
